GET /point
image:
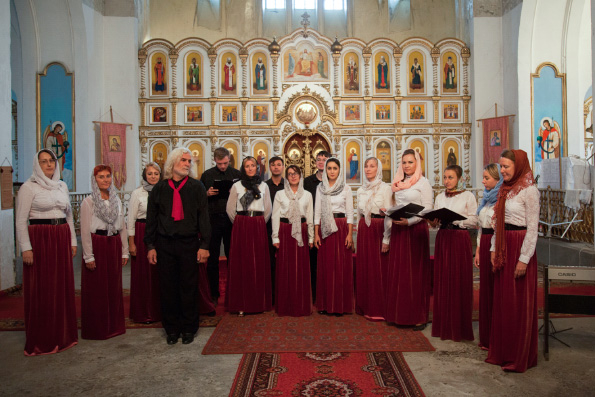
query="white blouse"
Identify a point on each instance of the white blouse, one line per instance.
(281, 207)
(484, 220)
(263, 204)
(35, 202)
(341, 203)
(137, 208)
(523, 210)
(382, 199)
(464, 204)
(90, 224)
(421, 194)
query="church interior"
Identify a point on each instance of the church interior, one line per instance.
(457, 81)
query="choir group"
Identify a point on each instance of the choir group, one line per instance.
(310, 230)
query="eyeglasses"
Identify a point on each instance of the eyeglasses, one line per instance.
(46, 162)
(289, 174)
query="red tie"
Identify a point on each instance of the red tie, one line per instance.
(177, 209)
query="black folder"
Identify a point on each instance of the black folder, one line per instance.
(223, 186)
(444, 215)
(407, 211)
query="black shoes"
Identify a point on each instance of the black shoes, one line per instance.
(187, 338)
(172, 339)
(420, 327)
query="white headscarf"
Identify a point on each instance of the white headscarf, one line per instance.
(372, 187)
(54, 184)
(327, 221)
(293, 213)
(109, 213)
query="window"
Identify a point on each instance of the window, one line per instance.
(274, 4)
(304, 4)
(336, 5)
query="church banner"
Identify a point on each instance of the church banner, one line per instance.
(113, 150)
(495, 138)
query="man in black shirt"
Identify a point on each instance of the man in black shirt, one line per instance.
(275, 184)
(176, 214)
(220, 223)
(311, 184)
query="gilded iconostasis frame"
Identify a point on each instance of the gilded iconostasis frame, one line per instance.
(363, 97)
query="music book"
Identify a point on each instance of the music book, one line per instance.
(444, 215)
(405, 211)
(223, 186)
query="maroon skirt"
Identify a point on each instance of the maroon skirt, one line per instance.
(205, 303)
(292, 287)
(486, 290)
(370, 270)
(453, 286)
(145, 305)
(334, 285)
(102, 304)
(48, 284)
(409, 275)
(513, 336)
(249, 279)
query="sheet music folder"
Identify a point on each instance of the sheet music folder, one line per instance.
(223, 186)
(444, 215)
(407, 211)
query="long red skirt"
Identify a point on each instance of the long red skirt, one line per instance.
(145, 305)
(453, 286)
(50, 311)
(205, 303)
(370, 270)
(334, 285)
(249, 279)
(513, 337)
(409, 275)
(102, 303)
(486, 290)
(292, 287)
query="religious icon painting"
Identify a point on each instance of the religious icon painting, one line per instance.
(352, 163)
(261, 154)
(352, 113)
(233, 153)
(495, 138)
(416, 72)
(260, 74)
(158, 114)
(229, 73)
(159, 154)
(416, 111)
(115, 143)
(260, 114)
(384, 155)
(450, 153)
(382, 72)
(159, 74)
(193, 75)
(450, 111)
(449, 73)
(229, 114)
(198, 161)
(351, 77)
(420, 147)
(194, 114)
(306, 63)
(383, 112)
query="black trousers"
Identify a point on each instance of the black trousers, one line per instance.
(178, 280)
(220, 231)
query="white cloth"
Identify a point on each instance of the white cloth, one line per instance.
(464, 204)
(90, 224)
(137, 208)
(382, 199)
(341, 203)
(262, 204)
(281, 208)
(36, 202)
(572, 199)
(421, 194)
(484, 219)
(585, 196)
(523, 210)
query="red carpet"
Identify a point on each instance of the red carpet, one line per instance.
(324, 374)
(268, 332)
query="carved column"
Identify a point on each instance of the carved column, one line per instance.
(367, 54)
(436, 139)
(244, 58)
(466, 159)
(144, 152)
(398, 53)
(398, 111)
(399, 147)
(174, 112)
(212, 52)
(336, 58)
(275, 59)
(143, 114)
(244, 115)
(465, 54)
(173, 57)
(142, 58)
(213, 103)
(435, 58)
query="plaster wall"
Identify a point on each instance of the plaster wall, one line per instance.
(510, 57)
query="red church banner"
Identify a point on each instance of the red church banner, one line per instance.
(495, 138)
(113, 150)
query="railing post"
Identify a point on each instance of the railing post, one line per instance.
(548, 196)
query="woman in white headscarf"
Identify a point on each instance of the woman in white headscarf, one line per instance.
(293, 234)
(48, 244)
(373, 236)
(105, 251)
(333, 220)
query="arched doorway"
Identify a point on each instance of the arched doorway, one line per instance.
(301, 149)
